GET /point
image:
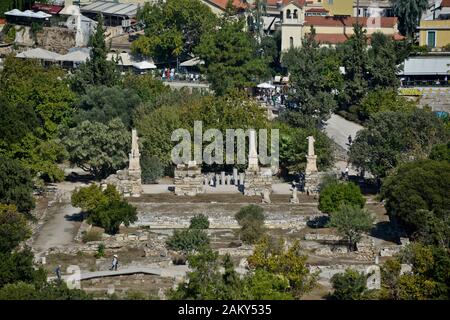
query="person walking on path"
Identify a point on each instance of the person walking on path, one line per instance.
(114, 263)
(58, 272)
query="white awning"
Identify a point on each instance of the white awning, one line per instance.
(426, 66)
(144, 65)
(28, 14)
(76, 55)
(266, 85)
(39, 53)
(192, 62)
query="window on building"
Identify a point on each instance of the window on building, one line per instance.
(291, 42)
(288, 14)
(431, 39)
(295, 14)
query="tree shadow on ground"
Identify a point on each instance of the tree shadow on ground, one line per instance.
(75, 177)
(384, 230)
(76, 217)
(318, 222)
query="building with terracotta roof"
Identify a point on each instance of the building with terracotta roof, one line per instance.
(330, 30)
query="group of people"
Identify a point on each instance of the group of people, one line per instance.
(168, 74)
(273, 97)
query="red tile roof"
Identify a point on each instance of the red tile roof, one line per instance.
(239, 4)
(445, 3)
(51, 9)
(317, 10)
(386, 22)
(335, 38)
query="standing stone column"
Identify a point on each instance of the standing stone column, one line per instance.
(241, 178)
(217, 179)
(134, 166)
(235, 176)
(252, 152)
(311, 158)
(222, 178)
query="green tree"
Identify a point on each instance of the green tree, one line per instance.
(314, 78)
(89, 198)
(152, 168)
(155, 129)
(98, 148)
(105, 209)
(417, 196)
(264, 285)
(290, 264)
(384, 101)
(16, 186)
(199, 221)
(383, 66)
(428, 279)
(188, 240)
(112, 214)
(204, 281)
(409, 13)
(97, 70)
(294, 147)
(18, 266)
(351, 222)
(251, 219)
(441, 152)
(13, 228)
(356, 62)
(150, 90)
(349, 285)
(103, 104)
(392, 138)
(50, 291)
(335, 194)
(231, 56)
(173, 28)
(15, 123)
(24, 82)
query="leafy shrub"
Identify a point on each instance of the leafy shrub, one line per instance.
(336, 194)
(105, 209)
(187, 240)
(199, 222)
(382, 101)
(152, 168)
(351, 222)
(350, 285)
(100, 251)
(92, 235)
(251, 219)
(417, 197)
(441, 152)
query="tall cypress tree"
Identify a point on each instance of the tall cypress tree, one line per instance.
(356, 63)
(97, 70)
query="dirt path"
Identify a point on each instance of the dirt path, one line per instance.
(338, 129)
(61, 223)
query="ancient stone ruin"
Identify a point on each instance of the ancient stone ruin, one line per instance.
(312, 176)
(188, 179)
(257, 181)
(128, 181)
